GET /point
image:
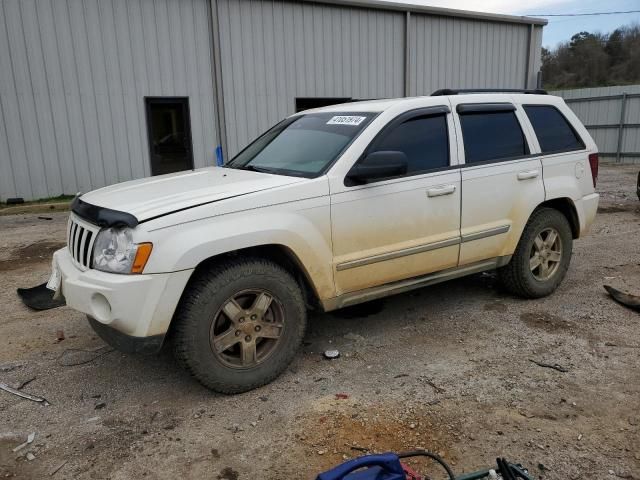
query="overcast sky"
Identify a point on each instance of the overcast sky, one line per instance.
(559, 28)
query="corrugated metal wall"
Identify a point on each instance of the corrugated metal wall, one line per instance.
(457, 53)
(600, 110)
(275, 51)
(73, 77)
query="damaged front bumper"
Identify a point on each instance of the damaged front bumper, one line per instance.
(130, 312)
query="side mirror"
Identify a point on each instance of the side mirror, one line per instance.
(378, 165)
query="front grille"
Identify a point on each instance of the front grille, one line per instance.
(80, 238)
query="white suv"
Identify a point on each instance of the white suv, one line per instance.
(330, 208)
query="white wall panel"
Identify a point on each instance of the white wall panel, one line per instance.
(73, 77)
(449, 52)
(275, 51)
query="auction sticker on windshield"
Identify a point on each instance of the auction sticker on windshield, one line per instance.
(346, 120)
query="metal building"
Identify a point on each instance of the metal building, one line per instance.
(94, 92)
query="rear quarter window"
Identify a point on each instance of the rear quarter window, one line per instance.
(554, 132)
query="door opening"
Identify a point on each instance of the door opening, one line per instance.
(169, 128)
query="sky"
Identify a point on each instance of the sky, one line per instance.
(559, 29)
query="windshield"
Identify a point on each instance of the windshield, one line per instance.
(304, 145)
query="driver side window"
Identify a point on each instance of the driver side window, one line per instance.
(423, 139)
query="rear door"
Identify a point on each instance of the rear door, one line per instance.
(501, 179)
(402, 227)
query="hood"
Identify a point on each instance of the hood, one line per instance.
(156, 196)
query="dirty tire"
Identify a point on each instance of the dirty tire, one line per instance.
(517, 276)
(206, 293)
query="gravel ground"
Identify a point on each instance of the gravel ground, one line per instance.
(447, 368)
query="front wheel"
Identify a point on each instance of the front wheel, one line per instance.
(542, 256)
(239, 324)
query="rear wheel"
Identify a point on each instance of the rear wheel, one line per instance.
(239, 325)
(542, 256)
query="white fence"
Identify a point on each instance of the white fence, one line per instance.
(612, 116)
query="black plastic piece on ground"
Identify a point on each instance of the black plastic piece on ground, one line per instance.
(626, 299)
(40, 298)
(102, 216)
(126, 343)
(457, 91)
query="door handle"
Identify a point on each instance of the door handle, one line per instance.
(439, 191)
(528, 174)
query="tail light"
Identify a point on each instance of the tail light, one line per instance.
(593, 163)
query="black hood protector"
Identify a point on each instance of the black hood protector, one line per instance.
(102, 216)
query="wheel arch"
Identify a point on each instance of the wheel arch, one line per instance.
(565, 206)
(278, 253)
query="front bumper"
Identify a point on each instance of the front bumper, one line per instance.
(138, 306)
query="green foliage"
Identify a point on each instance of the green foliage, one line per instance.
(594, 60)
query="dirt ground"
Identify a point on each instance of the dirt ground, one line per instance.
(448, 368)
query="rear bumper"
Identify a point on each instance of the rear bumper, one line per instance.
(587, 207)
(139, 306)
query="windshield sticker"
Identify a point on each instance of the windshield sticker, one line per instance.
(346, 120)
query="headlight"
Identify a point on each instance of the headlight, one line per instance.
(115, 252)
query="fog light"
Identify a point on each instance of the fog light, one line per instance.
(101, 308)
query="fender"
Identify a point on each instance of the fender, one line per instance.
(303, 227)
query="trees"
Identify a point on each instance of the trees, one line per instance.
(594, 60)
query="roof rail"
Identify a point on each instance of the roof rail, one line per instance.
(456, 91)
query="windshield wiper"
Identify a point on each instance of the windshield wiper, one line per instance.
(253, 168)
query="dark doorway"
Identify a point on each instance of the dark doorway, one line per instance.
(169, 126)
(305, 103)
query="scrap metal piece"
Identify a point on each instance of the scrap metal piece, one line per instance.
(624, 298)
(33, 398)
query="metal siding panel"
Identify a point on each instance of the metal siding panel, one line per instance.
(14, 181)
(88, 93)
(41, 96)
(143, 77)
(56, 92)
(119, 145)
(7, 178)
(204, 96)
(134, 156)
(299, 49)
(467, 53)
(25, 112)
(100, 92)
(73, 84)
(72, 96)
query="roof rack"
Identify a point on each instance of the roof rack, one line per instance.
(455, 91)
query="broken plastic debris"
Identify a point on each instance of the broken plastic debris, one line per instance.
(30, 438)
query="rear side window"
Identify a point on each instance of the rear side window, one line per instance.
(554, 132)
(493, 135)
(424, 140)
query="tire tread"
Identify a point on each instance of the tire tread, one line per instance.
(187, 316)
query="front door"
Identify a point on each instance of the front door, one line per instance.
(169, 126)
(399, 228)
